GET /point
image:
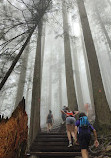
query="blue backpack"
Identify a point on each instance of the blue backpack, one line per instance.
(84, 121)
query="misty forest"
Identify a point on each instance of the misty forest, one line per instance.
(53, 53)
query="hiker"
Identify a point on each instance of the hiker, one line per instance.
(70, 124)
(63, 114)
(50, 121)
(84, 128)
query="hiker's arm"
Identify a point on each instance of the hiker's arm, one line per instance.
(96, 143)
(76, 112)
(63, 112)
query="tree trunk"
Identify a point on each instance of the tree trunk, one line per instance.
(102, 27)
(50, 84)
(103, 113)
(60, 83)
(77, 77)
(36, 91)
(71, 95)
(21, 83)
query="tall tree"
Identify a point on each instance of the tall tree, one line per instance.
(103, 113)
(21, 83)
(71, 95)
(77, 76)
(37, 14)
(36, 91)
(96, 10)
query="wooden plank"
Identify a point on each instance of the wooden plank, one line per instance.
(66, 154)
(54, 149)
(52, 140)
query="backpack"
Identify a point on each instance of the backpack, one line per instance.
(84, 121)
(49, 116)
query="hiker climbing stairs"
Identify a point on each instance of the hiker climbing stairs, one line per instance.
(53, 145)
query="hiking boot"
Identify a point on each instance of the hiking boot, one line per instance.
(70, 144)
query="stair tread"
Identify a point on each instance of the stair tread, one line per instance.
(50, 143)
(51, 139)
(55, 153)
(50, 136)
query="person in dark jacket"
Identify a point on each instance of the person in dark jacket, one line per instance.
(84, 134)
(50, 121)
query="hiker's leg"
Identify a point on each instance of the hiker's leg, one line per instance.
(68, 132)
(73, 131)
(84, 153)
(48, 126)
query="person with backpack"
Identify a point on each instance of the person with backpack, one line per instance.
(83, 128)
(50, 121)
(70, 124)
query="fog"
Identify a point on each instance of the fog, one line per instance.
(53, 75)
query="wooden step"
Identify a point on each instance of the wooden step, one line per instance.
(51, 143)
(53, 133)
(55, 148)
(51, 140)
(55, 154)
(52, 136)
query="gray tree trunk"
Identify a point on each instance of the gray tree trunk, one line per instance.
(77, 77)
(50, 84)
(60, 83)
(92, 113)
(36, 91)
(71, 95)
(22, 77)
(102, 27)
(101, 105)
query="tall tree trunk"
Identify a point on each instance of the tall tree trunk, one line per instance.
(36, 91)
(21, 83)
(102, 27)
(50, 84)
(72, 102)
(43, 43)
(103, 113)
(60, 82)
(77, 77)
(92, 112)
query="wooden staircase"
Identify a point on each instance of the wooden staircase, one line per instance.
(53, 145)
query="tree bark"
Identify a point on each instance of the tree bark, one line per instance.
(36, 91)
(77, 77)
(71, 95)
(102, 27)
(21, 83)
(103, 113)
